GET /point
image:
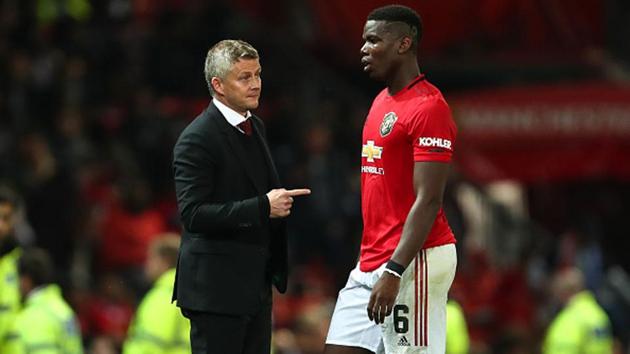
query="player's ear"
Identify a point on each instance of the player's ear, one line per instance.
(405, 45)
(217, 85)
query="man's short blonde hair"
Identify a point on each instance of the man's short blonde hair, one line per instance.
(223, 55)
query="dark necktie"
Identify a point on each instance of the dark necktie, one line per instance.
(246, 126)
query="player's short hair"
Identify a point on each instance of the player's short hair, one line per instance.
(400, 13)
(223, 55)
(166, 246)
(36, 264)
(9, 196)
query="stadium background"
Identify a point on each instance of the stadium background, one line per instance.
(94, 94)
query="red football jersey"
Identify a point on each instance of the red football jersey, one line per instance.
(414, 125)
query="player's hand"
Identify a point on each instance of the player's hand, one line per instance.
(281, 201)
(383, 297)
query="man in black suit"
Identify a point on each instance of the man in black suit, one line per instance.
(234, 244)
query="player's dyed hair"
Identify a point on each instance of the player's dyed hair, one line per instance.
(223, 55)
(400, 13)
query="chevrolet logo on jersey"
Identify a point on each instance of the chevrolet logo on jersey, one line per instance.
(371, 151)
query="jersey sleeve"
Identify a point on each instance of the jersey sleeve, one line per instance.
(432, 132)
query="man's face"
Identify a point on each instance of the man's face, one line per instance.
(380, 50)
(7, 220)
(241, 86)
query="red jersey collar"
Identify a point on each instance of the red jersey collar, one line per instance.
(413, 82)
(418, 78)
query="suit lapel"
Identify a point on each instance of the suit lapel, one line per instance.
(273, 174)
(229, 132)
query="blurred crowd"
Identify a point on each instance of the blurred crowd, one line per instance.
(94, 93)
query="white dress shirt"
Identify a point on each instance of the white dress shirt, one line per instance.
(232, 116)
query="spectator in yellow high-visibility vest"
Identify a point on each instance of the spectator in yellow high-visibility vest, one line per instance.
(159, 326)
(47, 11)
(582, 326)
(46, 324)
(9, 254)
(457, 340)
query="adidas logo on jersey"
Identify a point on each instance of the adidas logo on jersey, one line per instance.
(403, 342)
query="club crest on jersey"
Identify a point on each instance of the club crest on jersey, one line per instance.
(388, 124)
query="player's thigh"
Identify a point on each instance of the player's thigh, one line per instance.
(350, 326)
(418, 320)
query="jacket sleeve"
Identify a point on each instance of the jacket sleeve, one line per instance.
(195, 168)
(33, 333)
(11, 342)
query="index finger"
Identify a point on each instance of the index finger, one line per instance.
(296, 192)
(370, 308)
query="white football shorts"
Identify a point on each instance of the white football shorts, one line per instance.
(417, 323)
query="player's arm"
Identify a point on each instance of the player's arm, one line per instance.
(429, 181)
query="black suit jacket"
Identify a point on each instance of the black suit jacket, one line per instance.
(222, 265)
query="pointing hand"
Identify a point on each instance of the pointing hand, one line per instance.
(281, 201)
